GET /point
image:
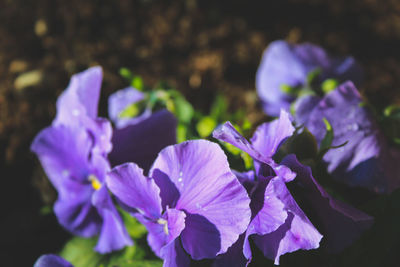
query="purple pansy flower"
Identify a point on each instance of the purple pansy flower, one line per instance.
(51, 260)
(119, 101)
(278, 225)
(192, 205)
(366, 160)
(73, 152)
(287, 64)
(154, 130)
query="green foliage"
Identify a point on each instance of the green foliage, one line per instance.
(134, 228)
(206, 126)
(130, 111)
(329, 85)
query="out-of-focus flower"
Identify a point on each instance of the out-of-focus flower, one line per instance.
(51, 260)
(193, 206)
(286, 70)
(139, 134)
(73, 152)
(366, 160)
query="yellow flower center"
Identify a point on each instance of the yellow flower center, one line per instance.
(95, 182)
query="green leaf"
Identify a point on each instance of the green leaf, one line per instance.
(130, 111)
(287, 89)
(248, 161)
(329, 85)
(328, 138)
(181, 133)
(126, 73)
(137, 82)
(219, 108)
(183, 109)
(205, 126)
(312, 75)
(135, 229)
(80, 252)
(231, 148)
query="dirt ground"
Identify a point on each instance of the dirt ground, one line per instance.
(200, 47)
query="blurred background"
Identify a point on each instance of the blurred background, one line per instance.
(201, 48)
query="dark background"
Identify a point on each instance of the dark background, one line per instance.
(199, 47)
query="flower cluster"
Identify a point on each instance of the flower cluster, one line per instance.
(198, 207)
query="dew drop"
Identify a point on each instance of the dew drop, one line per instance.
(65, 173)
(75, 112)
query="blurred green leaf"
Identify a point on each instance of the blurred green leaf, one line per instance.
(313, 75)
(248, 161)
(206, 126)
(126, 74)
(181, 133)
(329, 85)
(135, 229)
(137, 82)
(328, 138)
(287, 89)
(219, 108)
(130, 111)
(80, 252)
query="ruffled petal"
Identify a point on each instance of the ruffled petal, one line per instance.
(140, 143)
(81, 97)
(297, 232)
(113, 234)
(135, 190)
(63, 152)
(270, 135)
(200, 172)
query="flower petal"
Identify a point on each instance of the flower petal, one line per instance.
(174, 255)
(113, 234)
(269, 136)
(340, 223)
(140, 143)
(80, 98)
(135, 190)
(63, 152)
(200, 171)
(51, 260)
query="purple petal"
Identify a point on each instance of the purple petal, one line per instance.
(296, 233)
(364, 160)
(304, 106)
(51, 260)
(234, 256)
(120, 100)
(113, 234)
(163, 231)
(64, 153)
(80, 98)
(135, 190)
(227, 133)
(286, 64)
(74, 210)
(270, 135)
(174, 255)
(140, 143)
(340, 223)
(200, 171)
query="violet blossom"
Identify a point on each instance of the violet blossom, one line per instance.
(285, 64)
(192, 204)
(366, 160)
(51, 260)
(74, 154)
(278, 224)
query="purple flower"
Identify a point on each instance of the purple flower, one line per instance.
(284, 64)
(73, 152)
(155, 131)
(278, 225)
(122, 100)
(192, 205)
(366, 160)
(51, 260)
